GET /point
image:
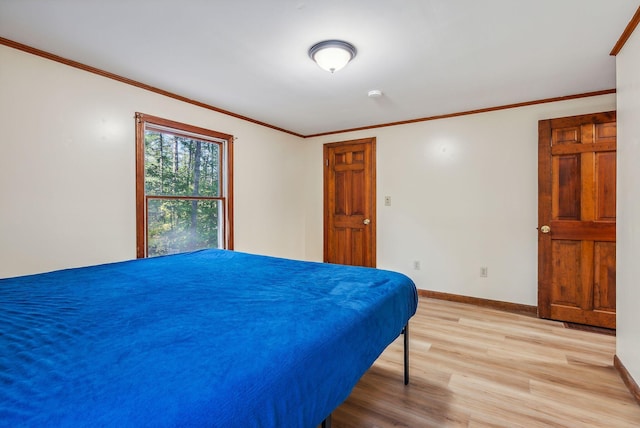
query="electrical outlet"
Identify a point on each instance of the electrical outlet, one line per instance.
(416, 265)
(387, 201)
(484, 272)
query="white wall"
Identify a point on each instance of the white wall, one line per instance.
(464, 190)
(67, 178)
(628, 225)
(464, 195)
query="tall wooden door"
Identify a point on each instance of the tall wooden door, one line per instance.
(577, 219)
(349, 203)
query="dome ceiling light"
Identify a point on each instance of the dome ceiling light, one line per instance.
(332, 55)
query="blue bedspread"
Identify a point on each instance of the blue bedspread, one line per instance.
(211, 338)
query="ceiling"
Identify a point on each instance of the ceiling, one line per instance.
(428, 57)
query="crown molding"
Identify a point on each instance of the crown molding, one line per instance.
(631, 26)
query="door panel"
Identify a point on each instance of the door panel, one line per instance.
(349, 199)
(577, 206)
(604, 296)
(606, 192)
(567, 279)
(357, 188)
(341, 200)
(566, 202)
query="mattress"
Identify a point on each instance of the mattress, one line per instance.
(211, 338)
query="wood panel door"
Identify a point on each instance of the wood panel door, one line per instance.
(577, 219)
(349, 203)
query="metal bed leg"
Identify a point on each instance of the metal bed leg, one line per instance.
(405, 332)
(327, 422)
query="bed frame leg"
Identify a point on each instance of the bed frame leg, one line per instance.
(327, 422)
(405, 332)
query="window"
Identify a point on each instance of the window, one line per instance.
(183, 187)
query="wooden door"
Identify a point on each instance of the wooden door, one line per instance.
(577, 219)
(349, 203)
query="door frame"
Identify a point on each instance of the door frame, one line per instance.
(372, 197)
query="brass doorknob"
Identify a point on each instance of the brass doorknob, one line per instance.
(366, 221)
(545, 229)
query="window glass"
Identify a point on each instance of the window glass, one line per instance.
(177, 165)
(177, 225)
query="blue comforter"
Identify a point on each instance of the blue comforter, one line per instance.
(211, 338)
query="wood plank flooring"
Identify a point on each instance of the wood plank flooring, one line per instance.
(479, 367)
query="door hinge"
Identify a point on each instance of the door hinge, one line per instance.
(326, 162)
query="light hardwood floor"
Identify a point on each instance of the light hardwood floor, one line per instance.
(478, 367)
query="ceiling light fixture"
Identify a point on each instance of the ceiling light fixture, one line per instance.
(332, 55)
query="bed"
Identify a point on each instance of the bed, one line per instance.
(211, 338)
